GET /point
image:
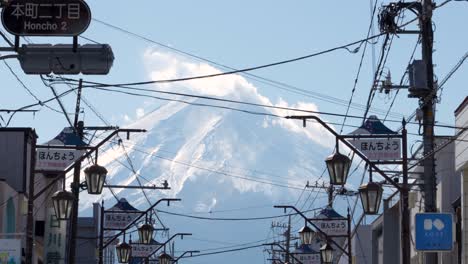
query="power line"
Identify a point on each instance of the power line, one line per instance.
(233, 219)
(261, 79)
(360, 65)
(236, 102)
(236, 71)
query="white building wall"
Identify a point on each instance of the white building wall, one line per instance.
(461, 165)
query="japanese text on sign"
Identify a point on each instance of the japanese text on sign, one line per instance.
(379, 149)
(332, 227)
(46, 17)
(117, 220)
(56, 159)
(142, 250)
(308, 258)
(55, 11)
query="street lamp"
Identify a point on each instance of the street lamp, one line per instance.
(145, 232)
(307, 235)
(165, 258)
(63, 203)
(124, 251)
(95, 178)
(326, 254)
(371, 195)
(338, 167)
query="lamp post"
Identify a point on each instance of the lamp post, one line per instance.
(165, 258)
(326, 253)
(306, 234)
(371, 196)
(95, 177)
(374, 192)
(338, 167)
(63, 203)
(124, 252)
(145, 232)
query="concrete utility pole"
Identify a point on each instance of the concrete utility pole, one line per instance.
(427, 37)
(76, 192)
(288, 240)
(30, 218)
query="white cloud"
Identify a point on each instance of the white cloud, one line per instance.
(140, 112)
(170, 66)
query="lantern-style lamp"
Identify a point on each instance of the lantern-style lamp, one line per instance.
(165, 258)
(63, 203)
(95, 178)
(371, 196)
(326, 253)
(145, 232)
(124, 251)
(307, 235)
(338, 168)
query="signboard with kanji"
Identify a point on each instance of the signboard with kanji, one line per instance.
(332, 227)
(434, 231)
(46, 17)
(308, 258)
(10, 250)
(379, 148)
(143, 250)
(53, 159)
(119, 220)
(54, 238)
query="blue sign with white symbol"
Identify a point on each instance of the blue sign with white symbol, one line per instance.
(434, 231)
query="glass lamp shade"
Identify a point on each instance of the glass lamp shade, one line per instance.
(338, 168)
(165, 258)
(307, 235)
(63, 203)
(124, 251)
(371, 196)
(95, 177)
(145, 232)
(326, 254)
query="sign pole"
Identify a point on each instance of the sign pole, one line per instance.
(350, 255)
(404, 203)
(101, 234)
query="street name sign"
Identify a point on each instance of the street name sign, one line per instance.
(46, 17)
(308, 258)
(119, 220)
(434, 231)
(54, 159)
(332, 227)
(379, 148)
(143, 250)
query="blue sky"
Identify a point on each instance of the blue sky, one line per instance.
(242, 34)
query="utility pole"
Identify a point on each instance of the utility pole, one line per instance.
(30, 217)
(76, 192)
(288, 240)
(427, 37)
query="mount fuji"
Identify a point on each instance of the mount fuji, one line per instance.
(221, 163)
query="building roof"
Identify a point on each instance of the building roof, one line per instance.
(305, 249)
(67, 137)
(461, 106)
(123, 205)
(329, 212)
(373, 125)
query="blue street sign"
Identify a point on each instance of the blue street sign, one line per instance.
(434, 231)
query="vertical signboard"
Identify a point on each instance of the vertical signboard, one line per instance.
(10, 251)
(54, 239)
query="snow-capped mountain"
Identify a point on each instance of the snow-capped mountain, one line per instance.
(220, 162)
